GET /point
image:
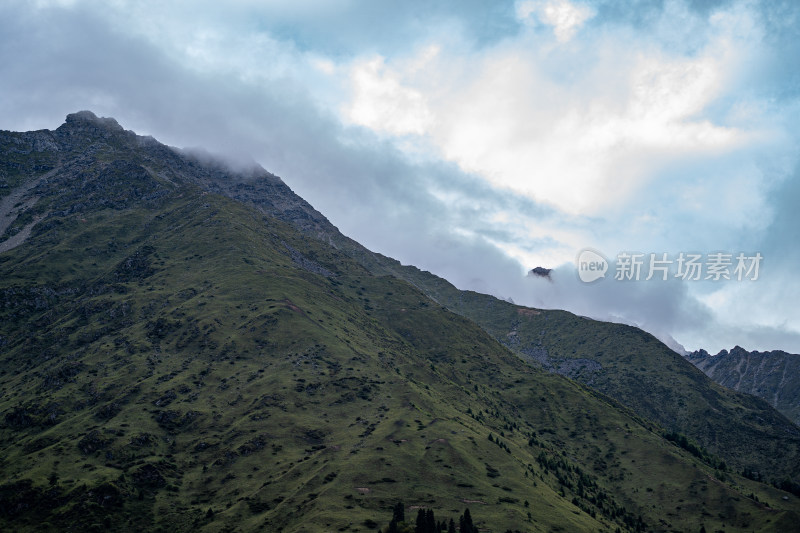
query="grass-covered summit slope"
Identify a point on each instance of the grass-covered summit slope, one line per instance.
(175, 360)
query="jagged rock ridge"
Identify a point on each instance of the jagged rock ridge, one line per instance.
(773, 376)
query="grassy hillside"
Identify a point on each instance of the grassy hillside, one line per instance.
(636, 369)
(171, 359)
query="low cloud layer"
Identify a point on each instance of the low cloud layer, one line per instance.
(472, 139)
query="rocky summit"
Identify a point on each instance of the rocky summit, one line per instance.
(186, 346)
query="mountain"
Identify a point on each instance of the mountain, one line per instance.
(639, 371)
(184, 346)
(623, 362)
(773, 376)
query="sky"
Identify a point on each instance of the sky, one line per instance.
(478, 140)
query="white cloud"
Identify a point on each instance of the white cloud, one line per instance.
(382, 103)
(323, 64)
(640, 144)
(583, 147)
(565, 17)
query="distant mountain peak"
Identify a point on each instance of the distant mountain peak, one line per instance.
(84, 118)
(540, 272)
(86, 127)
(738, 350)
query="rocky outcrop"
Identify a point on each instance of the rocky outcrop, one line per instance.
(773, 376)
(540, 272)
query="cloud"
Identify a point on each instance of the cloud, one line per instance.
(565, 17)
(660, 307)
(582, 144)
(381, 103)
(698, 314)
(660, 139)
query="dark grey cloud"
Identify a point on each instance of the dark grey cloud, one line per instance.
(660, 307)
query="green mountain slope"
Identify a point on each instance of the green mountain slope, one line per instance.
(621, 361)
(173, 359)
(638, 370)
(773, 376)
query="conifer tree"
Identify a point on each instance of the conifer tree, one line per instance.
(399, 513)
(466, 523)
(420, 522)
(430, 522)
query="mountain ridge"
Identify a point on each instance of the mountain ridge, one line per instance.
(176, 353)
(771, 375)
(532, 348)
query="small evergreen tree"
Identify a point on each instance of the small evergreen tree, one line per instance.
(399, 513)
(420, 522)
(465, 523)
(430, 522)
